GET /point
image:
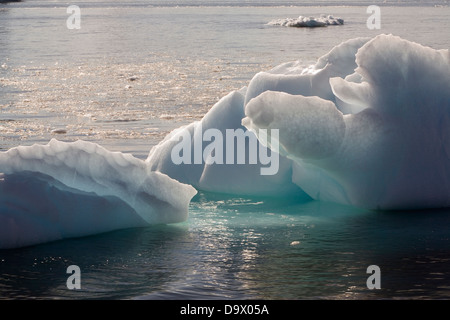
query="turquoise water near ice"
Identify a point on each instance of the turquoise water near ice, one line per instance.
(243, 248)
(230, 247)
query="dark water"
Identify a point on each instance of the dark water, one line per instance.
(237, 248)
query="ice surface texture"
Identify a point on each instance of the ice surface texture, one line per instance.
(381, 140)
(235, 178)
(61, 190)
(368, 125)
(245, 179)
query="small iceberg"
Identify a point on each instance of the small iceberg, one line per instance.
(308, 22)
(63, 190)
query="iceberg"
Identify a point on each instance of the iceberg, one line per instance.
(381, 140)
(367, 126)
(308, 22)
(62, 190)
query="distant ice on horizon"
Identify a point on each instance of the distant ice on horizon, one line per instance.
(308, 22)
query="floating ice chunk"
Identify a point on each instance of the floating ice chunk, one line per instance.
(368, 125)
(35, 208)
(308, 22)
(60, 190)
(391, 149)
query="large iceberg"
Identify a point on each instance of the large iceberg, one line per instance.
(381, 141)
(368, 125)
(62, 190)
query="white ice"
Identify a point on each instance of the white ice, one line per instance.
(62, 190)
(235, 178)
(381, 140)
(308, 22)
(245, 179)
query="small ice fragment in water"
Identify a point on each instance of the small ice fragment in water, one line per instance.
(308, 22)
(59, 131)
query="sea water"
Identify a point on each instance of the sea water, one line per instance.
(136, 70)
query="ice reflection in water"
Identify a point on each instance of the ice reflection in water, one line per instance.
(242, 248)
